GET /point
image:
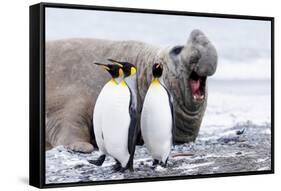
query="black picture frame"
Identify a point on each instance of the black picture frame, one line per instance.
(37, 93)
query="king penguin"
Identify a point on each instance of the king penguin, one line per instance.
(130, 84)
(102, 107)
(115, 121)
(157, 118)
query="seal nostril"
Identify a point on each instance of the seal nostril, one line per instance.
(195, 56)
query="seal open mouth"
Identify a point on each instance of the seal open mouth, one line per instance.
(197, 86)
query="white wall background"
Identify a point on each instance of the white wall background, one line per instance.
(14, 73)
(239, 43)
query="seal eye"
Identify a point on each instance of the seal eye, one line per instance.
(176, 50)
(175, 54)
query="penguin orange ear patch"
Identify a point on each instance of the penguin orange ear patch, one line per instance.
(121, 73)
(133, 70)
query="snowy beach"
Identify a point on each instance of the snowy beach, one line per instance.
(235, 136)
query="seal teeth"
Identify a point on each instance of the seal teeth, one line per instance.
(198, 97)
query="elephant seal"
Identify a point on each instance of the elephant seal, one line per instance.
(73, 83)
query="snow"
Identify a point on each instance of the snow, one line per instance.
(235, 136)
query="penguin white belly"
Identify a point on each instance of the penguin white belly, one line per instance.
(156, 122)
(102, 107)
(116, 123)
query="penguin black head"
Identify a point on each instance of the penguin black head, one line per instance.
(114, 70)
(128, 68)
(157, 70)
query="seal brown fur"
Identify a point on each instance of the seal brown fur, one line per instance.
(73, 83)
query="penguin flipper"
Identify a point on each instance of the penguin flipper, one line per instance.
(173, 118)
(133, 128)
(132, 138)
(171, 102)
(132, 134)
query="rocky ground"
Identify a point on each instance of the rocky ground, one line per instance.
(244, 147)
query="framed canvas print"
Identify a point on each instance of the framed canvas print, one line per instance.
(130, 95)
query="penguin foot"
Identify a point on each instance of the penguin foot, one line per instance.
(122, 170)
(117, 166)
(130, 165)
(164, 164)
(155, 162)
(131, 168)
(99, 161)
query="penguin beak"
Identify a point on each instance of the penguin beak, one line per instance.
(103, 65)
(157, 66)
(116, 62)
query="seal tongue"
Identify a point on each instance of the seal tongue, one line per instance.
(195, 87)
